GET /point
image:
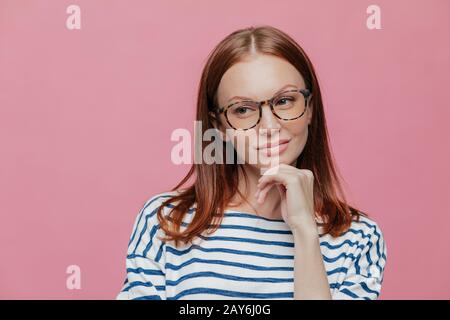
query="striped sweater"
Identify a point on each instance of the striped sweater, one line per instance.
(248, 257)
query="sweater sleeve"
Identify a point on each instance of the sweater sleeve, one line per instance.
(364, 276)
(145, 261)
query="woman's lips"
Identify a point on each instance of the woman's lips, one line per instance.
(275, 148)
(274, 144)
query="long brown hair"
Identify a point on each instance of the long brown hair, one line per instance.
(216, 184)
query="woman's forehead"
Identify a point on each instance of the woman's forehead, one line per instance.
(258, 78)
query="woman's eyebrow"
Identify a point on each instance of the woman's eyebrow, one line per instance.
(246, 98)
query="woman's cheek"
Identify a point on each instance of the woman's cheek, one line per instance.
(300, 139)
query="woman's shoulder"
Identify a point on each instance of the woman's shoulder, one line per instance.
(365, 230)
(147, 229)
(366, 225)
(364, 237)
(159, 198)
(146, 219)
(156, 200)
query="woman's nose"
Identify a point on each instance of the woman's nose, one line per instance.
(268, 119)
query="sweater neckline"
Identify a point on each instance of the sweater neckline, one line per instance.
(253, 214)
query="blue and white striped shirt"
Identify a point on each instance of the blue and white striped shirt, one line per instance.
(248, 257)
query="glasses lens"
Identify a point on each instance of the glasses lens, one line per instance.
(243, 115)
(289, 105)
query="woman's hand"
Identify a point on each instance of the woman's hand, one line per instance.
(297, 208)
(296, 190)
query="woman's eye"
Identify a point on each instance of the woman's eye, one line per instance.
(241, 110)
(284, 101)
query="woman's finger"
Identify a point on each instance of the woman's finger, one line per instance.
(281, 189)
(263, 192)
(264, 180)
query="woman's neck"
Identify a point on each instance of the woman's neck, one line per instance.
(270, 208)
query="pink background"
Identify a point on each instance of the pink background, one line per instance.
(86, 117)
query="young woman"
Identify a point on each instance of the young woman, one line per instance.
(251, 230)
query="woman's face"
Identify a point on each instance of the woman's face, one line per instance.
(259, 78)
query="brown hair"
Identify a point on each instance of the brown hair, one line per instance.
(216, 184)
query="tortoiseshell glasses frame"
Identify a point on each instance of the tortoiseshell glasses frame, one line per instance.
(305, 92)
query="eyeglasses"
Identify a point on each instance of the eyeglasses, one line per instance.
(246, 114)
